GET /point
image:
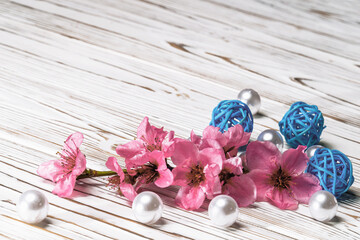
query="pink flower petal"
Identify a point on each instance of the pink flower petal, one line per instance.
(242, 189)
(51, 170)
(168, 145)
(211, 186)
(233, 165)
(229, 141)
(73, 143)
(246, 138)
(157, 158)
(235, 138)
(128, 191)
(179, 174)
(150, 134)
(159, 134)
(130, 149)
(114, 166)
(195, 138)
(185, 152)
(210, 143)
(145, 131)
(190, 198)
(165, 179)
(304, 186)
(168, 149)
(171, 135)
(137, 160)
(261, 180)
(139, 182)
(294, 161)
(80, 164)
(262, 155)
(209, 156)
(281, 199)
(211, 132)
(65, 186)
(212, 138)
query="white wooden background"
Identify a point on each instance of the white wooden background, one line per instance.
(100, 66)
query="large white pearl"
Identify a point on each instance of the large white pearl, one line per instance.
(323, 206)
(250, 98)
(147, 207)
(272, 136)
(32, 206)
(223, 211)
(311, 150)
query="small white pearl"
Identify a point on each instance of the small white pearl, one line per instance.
(311, 150)
(223, 211)
(272, 136)
(147, 207)
(323, 206)
(250, 98)
(32, 206)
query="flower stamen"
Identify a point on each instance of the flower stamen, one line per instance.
(148, 172)
(225, 176)
(280, 179)
(196, 175)
(68, 159)
(113, 182)
(152, 147)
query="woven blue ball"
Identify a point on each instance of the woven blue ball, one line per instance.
(333, 169)
(228, 113)
(302, 125)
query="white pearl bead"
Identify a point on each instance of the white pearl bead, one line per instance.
(311, 150)
(272, 136)
(323, 206)
(250, 98)
(147, 207)
(223, 211)
(32, 206)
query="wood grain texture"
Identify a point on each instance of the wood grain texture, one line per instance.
(100, 66)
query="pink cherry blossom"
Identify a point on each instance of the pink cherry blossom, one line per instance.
(236, 184)
(65, 170)
(123, 181)
(149, 139)
(280, 179)
(154, 170)
(196, 172)
(229, 141)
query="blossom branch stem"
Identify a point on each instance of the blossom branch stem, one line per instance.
(89, 173)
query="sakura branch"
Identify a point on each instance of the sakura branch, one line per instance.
(205, 167)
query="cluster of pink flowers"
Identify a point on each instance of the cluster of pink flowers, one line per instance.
(203, 167)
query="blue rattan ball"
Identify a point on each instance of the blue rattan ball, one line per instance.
(333, 169)
(228, 113)
(302, 125)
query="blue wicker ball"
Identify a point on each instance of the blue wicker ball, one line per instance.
(228, 113)
(333, 169)
(302, 125)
